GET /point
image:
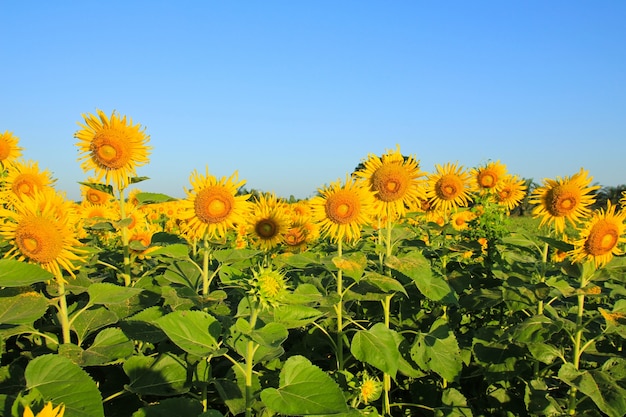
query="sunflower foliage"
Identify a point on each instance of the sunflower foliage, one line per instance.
(394, 292)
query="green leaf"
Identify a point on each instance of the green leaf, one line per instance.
(21, 307)
(141, 326)
(272, 335)
(59, 380)
(184, 273)
(172, 407)
(377, 347)
(232, 386)
(304, 389)
(604, 391)
(384, 283)
(107, 293)
(177, 250)
(195, 332)
(438, 351)
(352, 264)
(110, 345)
(163, 376)
(15, 273)
(454, 404)
(415, 266)
(92, 319)
(99, 187)
(536, 329)
(293, 316)
(231, 256)
(135, 180)
(151, 198)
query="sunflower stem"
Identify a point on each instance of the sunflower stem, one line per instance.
(387, 313)
(251, 349)
(339, 309)
(63, 315)
(205, 266)
(126, 249)
(577, 351)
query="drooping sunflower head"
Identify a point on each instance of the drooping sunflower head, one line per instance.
(113, 147)
(601, 237)
(268, 287)
(449, 187)
(40, 230)
(342, 210)
(9, 151)
(511, 192)
(213, 206)
(25, 179)
(488, 177)
(395, 181)
(268, 222)
(563, 199)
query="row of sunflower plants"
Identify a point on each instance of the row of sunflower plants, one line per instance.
(393, 292)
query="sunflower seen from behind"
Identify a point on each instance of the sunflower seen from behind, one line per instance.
(562, 199)
(112, 147)
(395, 181)
(342, 210)
(212, 206)
(9, 149)
(449, 187)
(600, 237)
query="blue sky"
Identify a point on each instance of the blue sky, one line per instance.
(294, 94)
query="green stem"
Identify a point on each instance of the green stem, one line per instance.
(63, 315)
(577, 350)
(339, 310)
(127, 273)
(205, 266)
(542, 278)
(387, 313)
(251, 349)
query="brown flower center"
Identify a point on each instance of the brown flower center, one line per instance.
(602, 238)
(562, 200)
(38, 239)
(266, 228)
(213, 204)
(449, 187)
(391, 182)
(487, 179)
(342, 207)
(110, 150)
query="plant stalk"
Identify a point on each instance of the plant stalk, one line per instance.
(339, 309)
(63, 315)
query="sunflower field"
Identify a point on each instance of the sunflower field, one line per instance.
(392, 292)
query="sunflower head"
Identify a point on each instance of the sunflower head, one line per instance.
(95, 193)
(449, 187)
(370, 389)
(9, 151)
(342, 210)
(213, 206)
(47, 411)
(268, 287)
(563, 199)
(268, 222)
(600, 237)
(488, 177)
(460, 219)
(511, 192)
(25, 179)
(113, 147)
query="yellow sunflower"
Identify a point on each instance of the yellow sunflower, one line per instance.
(395, 182)
(47, 411)
(94, 195)
(600, 237)
(212, 206)
(449, 187)
(488, 178)
(341, 211)
(460, 219)
(9, 151)
(113, 147)
(511, 192)
(267, 222)
(41, 231)
(563, 199)
(25, 179)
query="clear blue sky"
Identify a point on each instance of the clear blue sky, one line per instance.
(294, 94)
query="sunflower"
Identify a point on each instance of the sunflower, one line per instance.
(95, 195)
(600, 237)
(449, 187)
(341, 211)
(394, 180)
(9, 151)
(370, 389)
(47, 411)
(24, 179)
(212, 206)
(112, 147)
(268, 287)
(267, 222)
(511, 192)
(41, 231)
(460, 219)
(622, 201)
(488, 178)
(563, 199)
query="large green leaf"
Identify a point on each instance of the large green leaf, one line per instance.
(21, 307)
(59, 380)
(415, 266)
(293, 316)
(91, 320)
(184, 273)
(151, 198)
(304, 389)
(438, 351)
(177, 250)
(164, 376)
(195, 332)
(107, 293)
(377, 347)
(110, 345)
(182, 407)
(599, 385)
(15, 273)
(352, 264)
